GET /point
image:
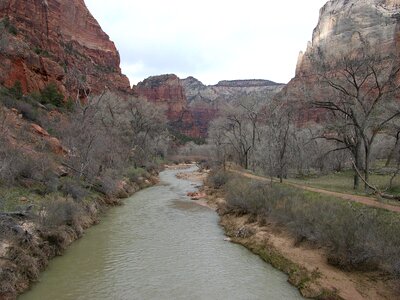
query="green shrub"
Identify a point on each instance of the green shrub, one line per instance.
(134, 173)
(69, 105)
(41, 52)
(51, 95)
(9, 26)
(16, 90)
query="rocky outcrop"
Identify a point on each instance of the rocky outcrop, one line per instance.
(43, 41)
(164, 90)
(344, 27)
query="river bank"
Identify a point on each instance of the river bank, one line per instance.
(160, 245)
(32, 241)
(305, 264)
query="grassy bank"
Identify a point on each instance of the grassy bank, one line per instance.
(29, 238)
(354, 238)
(343, 182)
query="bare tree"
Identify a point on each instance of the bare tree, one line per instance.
(147, 122)
(359, 104)
(237, 132)
(278, 136)
(216, 137)
(251, 109)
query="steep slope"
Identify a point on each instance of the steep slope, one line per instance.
(344, 26)
(167, 91)
(164, 90)
(58, 41)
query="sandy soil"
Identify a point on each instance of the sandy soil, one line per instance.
(344, 285)
(198, 176)
(178, 167)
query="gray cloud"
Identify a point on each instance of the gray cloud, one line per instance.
(212, 41)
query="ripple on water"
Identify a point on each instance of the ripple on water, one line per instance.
(160, 245)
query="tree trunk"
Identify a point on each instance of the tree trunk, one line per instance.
(358, 162)
(356, 182)
(246, 161)
(392, 153)
(366, 170)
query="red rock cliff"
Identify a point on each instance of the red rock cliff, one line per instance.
(57, 41)
(167, 90)
(164, 90)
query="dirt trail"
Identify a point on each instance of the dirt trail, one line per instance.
(354, 198)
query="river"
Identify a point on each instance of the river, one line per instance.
(159, 245)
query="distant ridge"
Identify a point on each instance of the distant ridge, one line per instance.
(248, 83)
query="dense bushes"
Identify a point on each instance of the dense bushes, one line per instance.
(356, 237)
(134, 173)
(6, 24)
(218, 178)
(14, 165)
(51, 95)
(27, 105)
(59, 212)
(73, 188)
(26, 109)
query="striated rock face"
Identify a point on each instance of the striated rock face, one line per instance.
(226, 91)
(191, 105)
(344, 26)
(59, 41)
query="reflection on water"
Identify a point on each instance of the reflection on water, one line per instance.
(160, 245)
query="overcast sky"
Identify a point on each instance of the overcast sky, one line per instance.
(211, 40)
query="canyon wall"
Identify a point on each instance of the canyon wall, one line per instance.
(344, 27)
(56, 41)
(191, 105)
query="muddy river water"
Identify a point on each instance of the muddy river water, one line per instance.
(160, 245)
